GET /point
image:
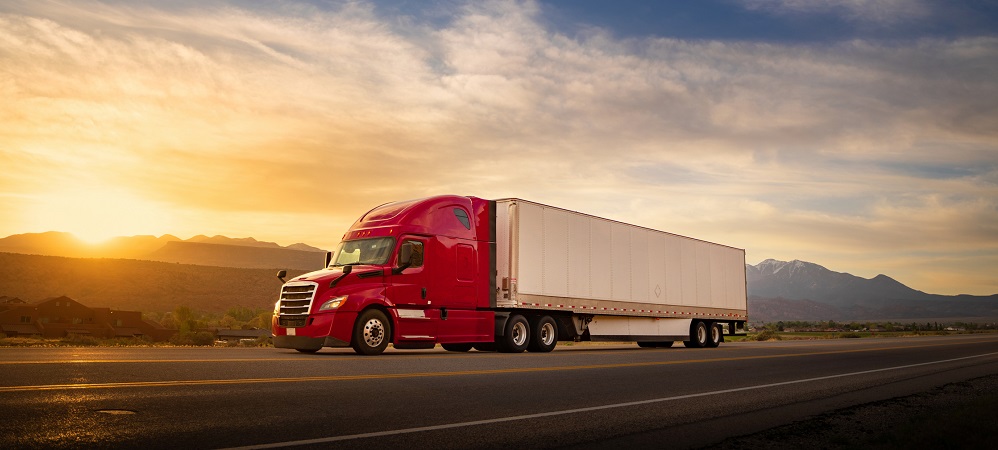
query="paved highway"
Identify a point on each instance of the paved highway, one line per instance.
(599, 396)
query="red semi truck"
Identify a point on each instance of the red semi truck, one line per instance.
(509, 275)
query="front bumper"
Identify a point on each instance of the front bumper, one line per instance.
(323, 330)
(307, 343)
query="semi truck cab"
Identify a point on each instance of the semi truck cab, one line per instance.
(407, 273)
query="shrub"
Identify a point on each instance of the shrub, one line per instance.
(768, 335)
(849, 335)
(262, 341)
(201, 338)
(79, 339)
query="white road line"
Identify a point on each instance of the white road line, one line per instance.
(580, 410)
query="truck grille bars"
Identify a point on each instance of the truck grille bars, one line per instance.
(296, 301)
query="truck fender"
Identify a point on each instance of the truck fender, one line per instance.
(501, 318)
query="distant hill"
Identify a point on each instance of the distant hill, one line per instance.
(54, 243)
(137, 285)
(256, 257)
(799, 290)
(201, 250)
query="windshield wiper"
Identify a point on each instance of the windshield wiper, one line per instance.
(358, 263)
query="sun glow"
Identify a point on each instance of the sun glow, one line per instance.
(97, 214)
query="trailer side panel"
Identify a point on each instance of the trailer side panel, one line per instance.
(551, 258)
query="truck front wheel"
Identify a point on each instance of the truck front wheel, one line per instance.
(516, 336)
(371, 333)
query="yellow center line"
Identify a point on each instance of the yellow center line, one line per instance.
(451, 374)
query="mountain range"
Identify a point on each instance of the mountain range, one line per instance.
(221, 251)
(169, 271)
(799, 290)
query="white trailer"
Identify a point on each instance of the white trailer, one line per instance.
(604, 280)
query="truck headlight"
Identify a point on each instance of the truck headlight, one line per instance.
(333, 303)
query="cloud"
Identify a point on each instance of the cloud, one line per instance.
(287, 123)
(879, 12)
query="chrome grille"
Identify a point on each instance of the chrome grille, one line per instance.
(295, 303)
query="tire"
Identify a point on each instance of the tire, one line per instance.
(698, 335)
(543, 335)
(371, 333)
(713, 336)
(456, 347)
(484, 346)
(307, 350)
(516, 335)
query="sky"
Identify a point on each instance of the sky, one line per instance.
(861, 135)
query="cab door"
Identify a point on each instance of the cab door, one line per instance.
(409, 290)
(409, 286)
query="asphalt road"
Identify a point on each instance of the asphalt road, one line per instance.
(596, 396)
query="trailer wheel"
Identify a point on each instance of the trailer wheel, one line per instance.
(371, 333)
(516, 336)
(456, 347)
(543, 335)
(714, 336)
(698, 335)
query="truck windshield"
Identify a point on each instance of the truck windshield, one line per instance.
(364, 251)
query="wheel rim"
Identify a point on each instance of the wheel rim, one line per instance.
(715, 335)
(374, 332)
(547, 334)
(519, 333)
(701, 333)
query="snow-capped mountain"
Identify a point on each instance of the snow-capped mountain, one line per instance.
(800, 280)
(799, 290)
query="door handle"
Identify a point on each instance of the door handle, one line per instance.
(424, 293)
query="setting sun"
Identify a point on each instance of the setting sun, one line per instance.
(96, 214)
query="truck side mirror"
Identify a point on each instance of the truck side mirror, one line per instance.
(405, 258)
(329, 258)
(281, 275)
